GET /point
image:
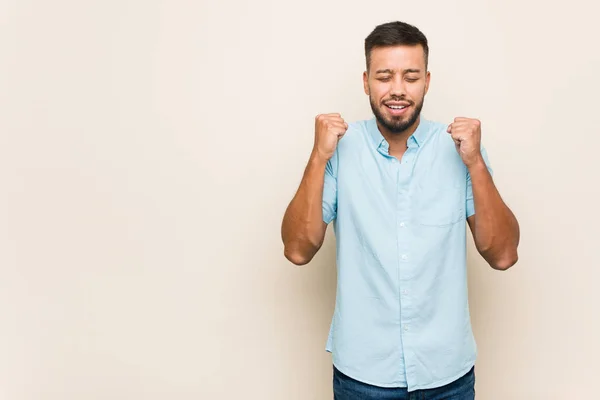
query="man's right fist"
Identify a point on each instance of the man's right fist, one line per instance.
(329, 129)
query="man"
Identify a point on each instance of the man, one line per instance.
(400, 190)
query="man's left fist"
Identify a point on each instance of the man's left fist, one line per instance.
(466, 133)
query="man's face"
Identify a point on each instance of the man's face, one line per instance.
(396, 84)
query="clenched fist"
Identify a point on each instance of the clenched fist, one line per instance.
(466, 133)
(329, 129)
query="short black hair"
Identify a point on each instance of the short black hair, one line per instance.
(395, 33)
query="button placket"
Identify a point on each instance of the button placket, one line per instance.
(404, 250)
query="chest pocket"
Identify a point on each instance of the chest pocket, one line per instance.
(439, 205)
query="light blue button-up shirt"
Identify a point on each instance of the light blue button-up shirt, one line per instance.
(401, 314)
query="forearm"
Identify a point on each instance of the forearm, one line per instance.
(496, 232)
(303, 228)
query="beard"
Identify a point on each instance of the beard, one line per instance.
(397, 124)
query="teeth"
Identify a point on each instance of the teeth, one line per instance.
(397, 107)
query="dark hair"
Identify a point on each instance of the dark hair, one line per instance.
(395, 34)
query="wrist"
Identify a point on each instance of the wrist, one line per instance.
(319, 158)
(478, 164)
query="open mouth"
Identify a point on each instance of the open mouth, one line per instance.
(397, 108)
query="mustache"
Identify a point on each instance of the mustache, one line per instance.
(399, 99)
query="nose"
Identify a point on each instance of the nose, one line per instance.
(397, 88)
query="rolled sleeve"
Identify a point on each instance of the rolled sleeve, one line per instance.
(330, 190)
(470, 206)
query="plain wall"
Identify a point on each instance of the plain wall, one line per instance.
(148, 150)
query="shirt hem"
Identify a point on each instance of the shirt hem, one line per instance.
(446, 381)
(431, 385)
(369, 382)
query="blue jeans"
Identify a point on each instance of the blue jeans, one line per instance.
(346, 388)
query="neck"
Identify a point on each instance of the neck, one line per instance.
(397, 141)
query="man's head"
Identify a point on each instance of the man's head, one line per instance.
(396, 79)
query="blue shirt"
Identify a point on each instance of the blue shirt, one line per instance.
(401, 314)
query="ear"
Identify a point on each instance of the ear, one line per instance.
(366, 83)
(427, 80)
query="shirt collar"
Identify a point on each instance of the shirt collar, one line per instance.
(418, 137)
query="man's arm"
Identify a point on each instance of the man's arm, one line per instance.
(303, 227)
(495, 228)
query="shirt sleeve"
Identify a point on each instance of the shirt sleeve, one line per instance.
(330, 189)
(470, 206)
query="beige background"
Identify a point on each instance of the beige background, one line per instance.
(148, 150)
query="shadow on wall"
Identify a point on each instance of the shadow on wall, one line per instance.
(304, 306)
(499, 296)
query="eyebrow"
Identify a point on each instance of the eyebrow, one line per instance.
(406, 71)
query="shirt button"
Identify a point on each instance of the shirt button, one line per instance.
(402, 224)
(404, 257)
(405, 328)
(404, 292)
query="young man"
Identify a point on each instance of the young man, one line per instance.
(400, 190)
